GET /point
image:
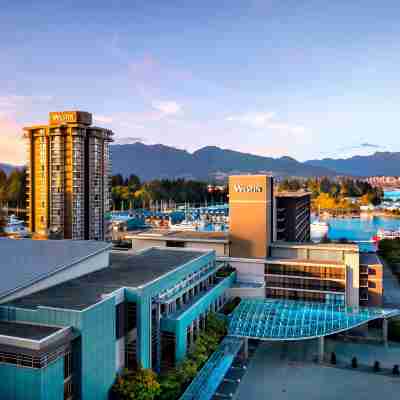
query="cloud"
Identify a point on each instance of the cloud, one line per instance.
(362, 146)
(167, 107)
(102, 119)
(370, 145)
(255, 119)
(129, 140)
(12, 147)
(266, 120)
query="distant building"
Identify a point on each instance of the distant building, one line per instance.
(68, 177)
(293, 216)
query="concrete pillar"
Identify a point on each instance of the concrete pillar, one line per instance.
(385, 331)
(321, 349)
(245, 348)
(158, 346)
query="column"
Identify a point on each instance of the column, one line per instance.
(245, 348)
(144, 332)
(385, 331)
(321, 349)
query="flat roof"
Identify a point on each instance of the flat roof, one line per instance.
(299, 261)
(27, 261)
(27, 331)
(316, 246)
(127, 269)
(166, 234)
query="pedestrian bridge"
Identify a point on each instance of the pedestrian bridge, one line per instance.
(270, 319)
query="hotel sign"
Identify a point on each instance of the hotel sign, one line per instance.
(255, 188)
(70, 117)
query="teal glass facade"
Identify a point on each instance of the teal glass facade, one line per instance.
(94, 345)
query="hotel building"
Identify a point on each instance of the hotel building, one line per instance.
(74, 314)
(68, 177)
(284, 268)
(293, 216)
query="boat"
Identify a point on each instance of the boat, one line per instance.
(15, 227)
(319, 228)
(389, 234)
(185, 225)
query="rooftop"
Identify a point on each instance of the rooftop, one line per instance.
(166, 234)
(126, 269)
(298, 261)
(27, 331)
(317, 246)
(28, 261)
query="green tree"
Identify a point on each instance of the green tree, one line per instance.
(138, 385)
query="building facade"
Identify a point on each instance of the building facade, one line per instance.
(251, 215)
(67, 335)
(293, 216)
(68, 177)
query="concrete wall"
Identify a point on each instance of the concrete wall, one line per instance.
(221, 249)
(142, 244)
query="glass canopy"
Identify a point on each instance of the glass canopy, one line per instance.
(269, 319)
(211, 375)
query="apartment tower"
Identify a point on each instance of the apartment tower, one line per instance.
(68, 177)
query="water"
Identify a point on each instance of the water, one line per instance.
(360, 229)
(392, 194)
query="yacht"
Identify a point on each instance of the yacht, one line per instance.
(386, 234)
(319, 228)
(16, 227)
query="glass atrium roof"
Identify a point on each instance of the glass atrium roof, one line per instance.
(270, 319)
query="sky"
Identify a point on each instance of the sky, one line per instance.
(302, 78)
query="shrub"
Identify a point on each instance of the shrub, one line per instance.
(139, 385)
(333, 358)
(354, 362)
(377, 366)
(395, 370)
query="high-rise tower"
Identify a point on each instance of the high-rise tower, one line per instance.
(68, 177)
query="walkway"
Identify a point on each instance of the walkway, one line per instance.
(213, 372)
(283, 371)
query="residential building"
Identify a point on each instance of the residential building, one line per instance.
(68, 177)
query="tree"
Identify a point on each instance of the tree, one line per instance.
(138, 385)
(3, 221)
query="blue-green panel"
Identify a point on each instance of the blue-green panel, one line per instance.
(52, 381)
(179, 321)
(98, 350)
(144, 331)
(20, 383)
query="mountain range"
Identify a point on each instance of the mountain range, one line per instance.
(7, 168)
(214, 163)
(379, 163)
(159, 161)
